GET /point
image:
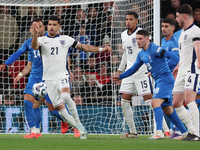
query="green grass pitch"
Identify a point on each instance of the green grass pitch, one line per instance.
(94, 142)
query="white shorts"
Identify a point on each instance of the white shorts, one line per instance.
(142, 83)
(54, 87)
(187, 81)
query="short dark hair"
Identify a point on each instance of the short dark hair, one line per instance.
(132, 13)
(169, 20)
(185, 9)
(143, 32)
(55, 18)
(36, 20)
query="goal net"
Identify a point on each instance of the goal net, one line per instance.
(98, 23)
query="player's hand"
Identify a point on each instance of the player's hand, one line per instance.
(17, 78)
(175, 71)
(118, 73)
(149, 74)
(107, 49)
(115, 79)
(198, 66)
(35, 28)
(2, 67)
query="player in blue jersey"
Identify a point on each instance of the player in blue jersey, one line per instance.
(155, 59)
(170, 42)
(35, 66)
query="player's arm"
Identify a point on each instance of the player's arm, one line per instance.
(196, 43)
(122, 64)
(170, 55)
(24, 72)
(34, 30)
(90, 48)
(138, 63)
(14, 56)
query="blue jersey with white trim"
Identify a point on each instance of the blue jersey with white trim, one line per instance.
(155, 63)
(172, 46)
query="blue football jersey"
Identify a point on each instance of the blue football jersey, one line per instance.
(172, 46)
(155, 63)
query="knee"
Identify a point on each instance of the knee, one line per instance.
(65, 95)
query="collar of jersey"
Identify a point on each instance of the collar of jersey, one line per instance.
(189, 27)
(57, 35)
(133, 31)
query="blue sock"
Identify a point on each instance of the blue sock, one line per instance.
(38, 117)
(30, 116)
(177, 122)
(197, 101)
(67, 108)
(55, 113)
(158, 112)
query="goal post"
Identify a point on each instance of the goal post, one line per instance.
(93, 22)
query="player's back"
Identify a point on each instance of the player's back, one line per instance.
(188, 60)
(131, 49)
(54, 52)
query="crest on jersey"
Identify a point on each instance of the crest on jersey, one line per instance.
(62, 42)
(185, 37)
(134, 40)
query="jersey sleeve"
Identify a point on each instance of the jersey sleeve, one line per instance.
(40, 40)
(30, 56)
(17, 54)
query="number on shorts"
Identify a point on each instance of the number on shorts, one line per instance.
(189, 79)
(144, 84)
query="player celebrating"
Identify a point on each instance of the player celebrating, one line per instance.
(140, 79)
(35, 66)
(54, 49)
(154, 58)
(187, 80)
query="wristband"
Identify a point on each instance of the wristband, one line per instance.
(20, 74)
(100, 49)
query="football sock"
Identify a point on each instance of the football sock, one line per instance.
(184, 117)
(128, 114)
(71, 106)
(30, 116)
(177, 122)
(164, 125)
(38, 117)
(67, 117)
(158, 112)
(56, 114)
(194, 112)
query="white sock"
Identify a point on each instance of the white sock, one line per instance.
(164, 125)
(71, 106)
(194, 112)
(34, 130)
(184, 117)
(128, 114)
(67, 117)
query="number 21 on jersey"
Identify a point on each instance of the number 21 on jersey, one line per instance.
(54, 50)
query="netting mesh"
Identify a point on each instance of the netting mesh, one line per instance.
(96, 97)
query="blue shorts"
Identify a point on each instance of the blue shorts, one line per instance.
(28, 90)
(163, 89)
(198, 92)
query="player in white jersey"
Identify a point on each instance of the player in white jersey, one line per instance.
(140, 79)
(187, 80)
(54, 49)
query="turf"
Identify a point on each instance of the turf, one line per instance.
(94, 142)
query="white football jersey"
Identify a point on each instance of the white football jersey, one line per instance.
(54, 56)
(131, 50)
(188, 59)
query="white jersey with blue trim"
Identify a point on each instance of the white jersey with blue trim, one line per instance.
(54, 56)
(188, 60)
(131, 49)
